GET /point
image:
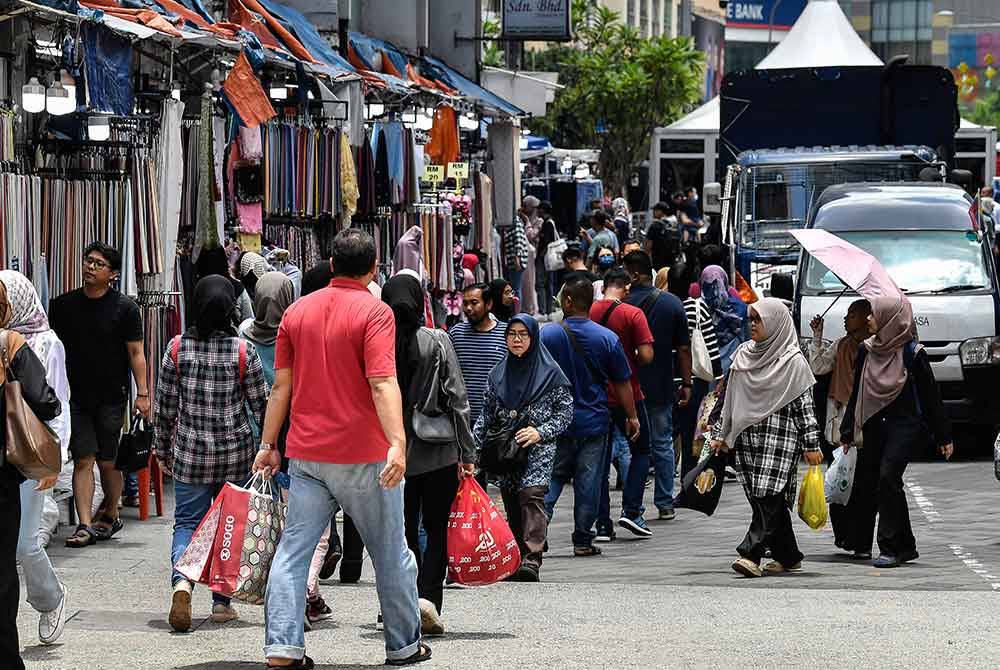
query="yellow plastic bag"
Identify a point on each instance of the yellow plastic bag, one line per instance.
(812, 499)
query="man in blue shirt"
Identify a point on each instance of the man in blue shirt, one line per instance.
(668, 323)
(591, 356)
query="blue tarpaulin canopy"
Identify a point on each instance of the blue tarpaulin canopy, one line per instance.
(435, 69)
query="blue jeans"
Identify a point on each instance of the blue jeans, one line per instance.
(638, 468)
(661, 437)
(378, 515)
(622, 450)
(191, 503)
(580, 459)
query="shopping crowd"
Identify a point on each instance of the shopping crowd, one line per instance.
(340, 391)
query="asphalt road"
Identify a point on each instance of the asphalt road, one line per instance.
(665, 602)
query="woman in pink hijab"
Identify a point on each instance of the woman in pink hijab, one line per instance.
(895, 406)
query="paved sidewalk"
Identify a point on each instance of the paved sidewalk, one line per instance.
(667, 602)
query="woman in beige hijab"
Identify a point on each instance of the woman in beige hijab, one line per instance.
(895, 405)
(769, 420)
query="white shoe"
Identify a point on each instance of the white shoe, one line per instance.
(223, 613)
(51, 624)
(430, 620)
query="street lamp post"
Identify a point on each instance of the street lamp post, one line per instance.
(770, 23)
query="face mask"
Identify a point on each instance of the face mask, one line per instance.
(606, 261)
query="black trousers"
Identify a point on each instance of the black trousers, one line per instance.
(427, 500)
(842, 517)
(10, 589)
(528, 521)
(878, 485)
(770, 528)
(352, 546)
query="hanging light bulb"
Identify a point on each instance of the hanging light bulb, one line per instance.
(468, 122)
(175, 91)
(33, 96)
(425, 121)
(57, 100)
(98, 128)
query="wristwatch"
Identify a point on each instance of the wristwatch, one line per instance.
(264, 446)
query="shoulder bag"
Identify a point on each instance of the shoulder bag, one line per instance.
(501, 454)
(435, 428)
(32, 447)
(701, 360)
(555, 249)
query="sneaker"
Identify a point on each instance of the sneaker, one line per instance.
(223, 613)
(430, 620)
(317, 610)
(379, 624)
(180, 607)
(747, 568)
(636, 526)
(775, 568)
(886, 561)
(731, 474)
(859, 555)
(333, 556)
(667, 514)
(605, 533)
(51, 624)
(526, 573)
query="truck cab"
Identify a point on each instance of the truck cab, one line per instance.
(930, 238)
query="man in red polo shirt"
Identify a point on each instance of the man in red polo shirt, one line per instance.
(335, 370)
(629, 324)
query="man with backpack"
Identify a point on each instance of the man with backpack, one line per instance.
(664, 313)
(592, 358)
(630, 325)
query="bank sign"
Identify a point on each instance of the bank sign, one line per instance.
(544, 20)
(757, 13)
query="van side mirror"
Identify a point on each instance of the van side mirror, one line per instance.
(783, 286)
(712, 198)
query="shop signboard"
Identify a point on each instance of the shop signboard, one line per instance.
(434, 174)
(757, 13)
(458, 170)
(542, 20)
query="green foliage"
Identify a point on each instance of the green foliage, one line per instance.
(619, 87)
(492, 53)
(985, 111)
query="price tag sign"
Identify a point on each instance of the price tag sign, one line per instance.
(434, 174)
(458, 170)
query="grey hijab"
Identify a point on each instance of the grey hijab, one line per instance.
(275, 293)
(765, 376)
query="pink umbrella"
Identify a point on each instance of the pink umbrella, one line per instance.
(855, 267)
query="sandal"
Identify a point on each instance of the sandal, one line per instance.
(304, 663)
(423, 653)
(82, 537)
(103, 534)
(586, 550)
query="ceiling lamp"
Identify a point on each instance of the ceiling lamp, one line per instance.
(98, 128)
(468, 122)
(57, 100)
(425, 121)
(33, 96)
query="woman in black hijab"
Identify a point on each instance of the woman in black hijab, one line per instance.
(528, 393)
(440, 449)
(202, 434)
(214, 262)
(504, 300)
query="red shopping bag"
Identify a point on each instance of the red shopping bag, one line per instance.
(481, 548)
(232, 548)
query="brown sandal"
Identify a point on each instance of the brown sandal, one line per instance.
(304, 663)
(82, 537)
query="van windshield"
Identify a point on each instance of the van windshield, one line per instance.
(925, 261)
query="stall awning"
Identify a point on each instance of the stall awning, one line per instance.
(435, 69)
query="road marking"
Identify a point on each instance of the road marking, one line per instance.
(933, 516)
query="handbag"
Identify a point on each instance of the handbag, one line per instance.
(554, 252)
(135, 447)
(438, 429)
(701, 361)
(501, 453)
(32, 447)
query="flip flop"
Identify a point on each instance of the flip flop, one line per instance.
(103, 534)
(423, 653)
(83, 536)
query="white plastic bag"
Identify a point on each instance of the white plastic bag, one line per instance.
(840, 476)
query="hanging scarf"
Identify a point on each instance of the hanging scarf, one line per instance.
(520, 381)
(765, 376)
(274, 294)
(26, 314)
(884, 373)
(214, 303)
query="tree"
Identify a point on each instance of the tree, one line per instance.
(986, 110)
(618, 88)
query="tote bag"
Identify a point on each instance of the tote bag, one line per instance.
(554, 252)
(701, 361)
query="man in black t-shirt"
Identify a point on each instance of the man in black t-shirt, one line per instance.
(102, 332)
(662, 239)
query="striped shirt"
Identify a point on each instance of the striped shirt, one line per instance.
(477, 354)
(694, 318)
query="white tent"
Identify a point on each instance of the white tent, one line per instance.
(821, 37)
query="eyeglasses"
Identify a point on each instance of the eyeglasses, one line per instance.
(95, 263)
(515, 335)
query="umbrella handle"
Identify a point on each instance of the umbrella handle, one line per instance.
(834, 301)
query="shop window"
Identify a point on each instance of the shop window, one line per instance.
(902, 27)
(968, 145)
(670, 146)
(677, 175)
